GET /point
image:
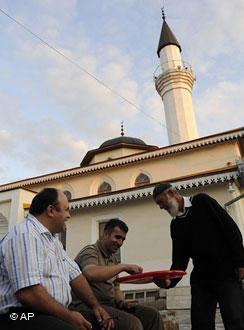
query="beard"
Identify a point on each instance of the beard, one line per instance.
(173, 207)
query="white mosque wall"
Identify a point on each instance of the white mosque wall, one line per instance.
(12, 205)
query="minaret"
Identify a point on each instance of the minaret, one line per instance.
(174, 84)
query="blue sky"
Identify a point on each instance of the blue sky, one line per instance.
(51, 112)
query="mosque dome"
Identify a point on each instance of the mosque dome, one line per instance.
(122, 140)
(121, 146)
(118, 147)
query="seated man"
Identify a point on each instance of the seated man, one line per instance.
(99, 265)
(36, 274)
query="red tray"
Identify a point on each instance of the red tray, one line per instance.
(149, 277)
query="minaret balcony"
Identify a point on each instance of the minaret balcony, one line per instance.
(173, 75)
(172, 66)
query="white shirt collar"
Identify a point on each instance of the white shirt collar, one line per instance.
(42, 229)
(187, 201)
(187, 204)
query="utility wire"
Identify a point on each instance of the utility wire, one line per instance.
(99, 81)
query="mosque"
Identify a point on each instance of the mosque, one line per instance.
(117, 179)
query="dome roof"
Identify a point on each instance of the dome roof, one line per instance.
(120, 142)
(122, 139)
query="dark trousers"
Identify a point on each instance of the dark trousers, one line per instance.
(230, 296)
(23, 319)
(140, 318)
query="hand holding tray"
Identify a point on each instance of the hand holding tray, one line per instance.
(149, 277)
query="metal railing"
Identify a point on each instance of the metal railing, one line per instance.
(233, 201)
(172, 66)
(226, 205)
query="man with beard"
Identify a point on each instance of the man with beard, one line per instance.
(203, 231)
(98, 263)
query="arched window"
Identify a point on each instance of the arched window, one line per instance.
(68, 195)
(104, 187)
(141, 179)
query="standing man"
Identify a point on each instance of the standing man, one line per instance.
(202, 230)
(36, 274)
(98, 263)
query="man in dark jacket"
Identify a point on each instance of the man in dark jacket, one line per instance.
(203, 231)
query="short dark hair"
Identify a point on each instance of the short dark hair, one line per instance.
(46, 197)
(112, 223)
(161, 188)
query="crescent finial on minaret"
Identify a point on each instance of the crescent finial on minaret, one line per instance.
(163, 14)
(122, 128)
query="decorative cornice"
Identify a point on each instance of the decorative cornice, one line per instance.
(143, 193)
(181, 147)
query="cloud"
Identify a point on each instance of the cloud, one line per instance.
(221, 106)
(30, 147)
(6, 141)
(52, 140)
(52, 149)
(78, 95)
(212, 37)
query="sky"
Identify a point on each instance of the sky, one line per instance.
(53, 110)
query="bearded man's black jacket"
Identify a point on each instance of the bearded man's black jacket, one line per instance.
(207, 234)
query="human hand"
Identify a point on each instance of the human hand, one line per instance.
(241, 273)
(162, 283)
(78, 321)
(122, 304)
(133, 269)
(128, 306)
(103, 318)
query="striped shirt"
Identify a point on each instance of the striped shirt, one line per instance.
(30, 255)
